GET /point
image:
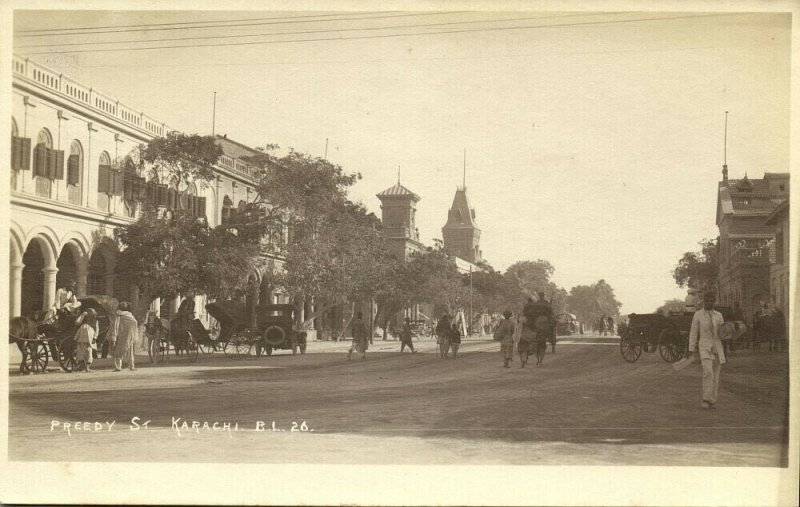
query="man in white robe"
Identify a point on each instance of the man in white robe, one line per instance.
(704, 336)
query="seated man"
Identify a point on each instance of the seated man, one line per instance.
(65, 300)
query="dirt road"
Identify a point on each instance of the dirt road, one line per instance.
(585, 406)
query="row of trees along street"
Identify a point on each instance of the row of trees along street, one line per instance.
(336, 251)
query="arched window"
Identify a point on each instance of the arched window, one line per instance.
(46, 163)
(74, 172)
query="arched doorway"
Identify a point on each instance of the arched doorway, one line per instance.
(96, 273)
(32, 279)
(67, 265)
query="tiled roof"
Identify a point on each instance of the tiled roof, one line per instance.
(398, 190)
(746, 197)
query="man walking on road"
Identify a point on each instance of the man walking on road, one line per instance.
(123, 334)
(505, 335)
(443, 335)
(704, 335)
(360, 338)
(406, 335)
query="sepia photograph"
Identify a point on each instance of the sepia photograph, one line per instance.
(423, 253)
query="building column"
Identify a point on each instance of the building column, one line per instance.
(49, 287)
(15, 289)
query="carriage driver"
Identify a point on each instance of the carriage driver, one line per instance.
(65, 300)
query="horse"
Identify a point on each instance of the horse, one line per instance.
(22, 330)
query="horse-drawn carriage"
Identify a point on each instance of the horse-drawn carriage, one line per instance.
(39, 341)
(183, 334)
(566, 324)
(654, 331)
(271, 328)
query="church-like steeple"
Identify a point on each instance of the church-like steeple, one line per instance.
(461, 234)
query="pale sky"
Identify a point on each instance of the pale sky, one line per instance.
(597, 145)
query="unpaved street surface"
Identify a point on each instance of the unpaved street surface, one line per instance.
(585, 406)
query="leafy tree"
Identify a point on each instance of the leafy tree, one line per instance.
(699, 269)
(590, 302)
(186, 157)
(531, 277)
(168, 254)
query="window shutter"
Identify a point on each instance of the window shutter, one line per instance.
(25, 160)
(58, 164)
(119, 182)
(140, 189)
(201, 207)
(104, 179)
(73, 171)
(40, 160)
(127, 186)
(16, 152)
(162, 197)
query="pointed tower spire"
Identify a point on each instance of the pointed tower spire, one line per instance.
(725, 152)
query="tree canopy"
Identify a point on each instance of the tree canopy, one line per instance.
(590, 302)
(699, 269)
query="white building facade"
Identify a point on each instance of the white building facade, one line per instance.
(72, 184)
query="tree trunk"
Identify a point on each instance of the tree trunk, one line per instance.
(349, 320)
(317, 313)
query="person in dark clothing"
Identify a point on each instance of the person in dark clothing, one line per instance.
(360, 337)
(405, 336)
(455, 338)
(443, 335)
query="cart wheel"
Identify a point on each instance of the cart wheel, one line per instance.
(152, 347)
(630, 350)
(37, 357)
(243, 348)
(302, 348)
(669, 345)
(66, 355)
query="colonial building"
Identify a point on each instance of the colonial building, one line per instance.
(461, 234)
(743, 206)
(779, 258)
(73, 182)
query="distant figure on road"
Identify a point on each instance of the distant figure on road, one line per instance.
(601, 326)
(443, 335)
(455, 338)
(610, 324)
(360, 338)
(505, 335)
(704, 335)
(405, 336)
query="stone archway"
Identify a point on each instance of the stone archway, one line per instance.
(35, 275)
(100, 270)
(68, 266)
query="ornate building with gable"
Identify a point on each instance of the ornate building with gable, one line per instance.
(746, 240)
(461, 234)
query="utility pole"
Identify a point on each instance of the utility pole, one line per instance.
(469, 324)
(214, 116)
(326, 148)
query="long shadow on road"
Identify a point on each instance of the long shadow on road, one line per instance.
(582, 394)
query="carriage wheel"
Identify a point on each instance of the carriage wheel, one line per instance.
(37, 357)
(629, 349)
(669, 342)
(243, 348)
(67, 355)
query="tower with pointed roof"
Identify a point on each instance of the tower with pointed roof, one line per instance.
(398, 214)
(461, 234)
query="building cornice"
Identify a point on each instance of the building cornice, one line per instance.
(65, 209)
